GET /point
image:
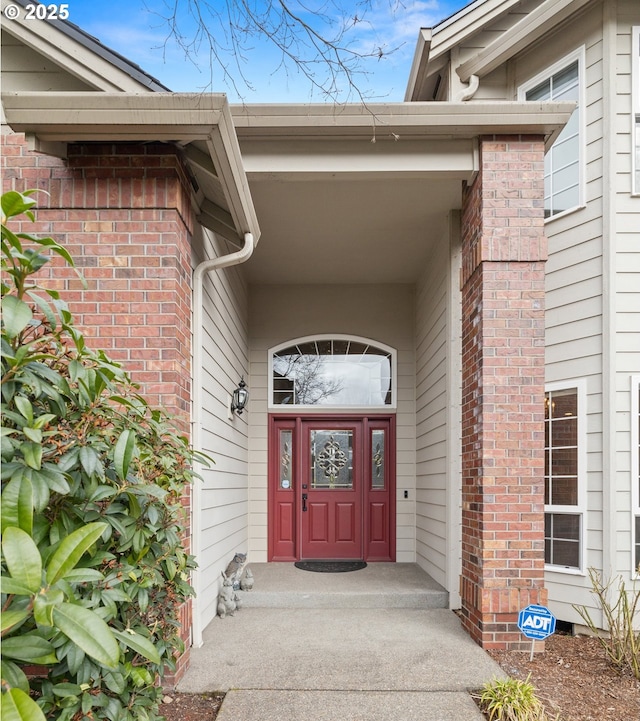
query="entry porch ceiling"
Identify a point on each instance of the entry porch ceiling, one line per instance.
(348, 230)
(354, 195)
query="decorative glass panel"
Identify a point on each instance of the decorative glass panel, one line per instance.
(377, 460)
(332, 373)
(332, 459)
(286, 458)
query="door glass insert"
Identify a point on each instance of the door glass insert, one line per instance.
(377, 459)
(285, 459)
(332, 459)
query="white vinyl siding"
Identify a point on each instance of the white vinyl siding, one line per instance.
(563, 163)
(438, 491)
(635, 473)
(624, 291)
(223, 494)
(635, 107)
(574, 293)
(24, 68)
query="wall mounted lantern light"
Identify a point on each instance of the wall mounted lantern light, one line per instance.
(240, 398)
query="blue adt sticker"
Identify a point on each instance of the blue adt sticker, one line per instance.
(536, 622)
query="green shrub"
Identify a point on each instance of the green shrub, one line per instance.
(511, 700)
(93, 567)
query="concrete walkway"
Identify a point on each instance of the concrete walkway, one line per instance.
(347, 660)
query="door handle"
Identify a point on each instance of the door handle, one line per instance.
(304, 501)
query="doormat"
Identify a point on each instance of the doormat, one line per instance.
(330, 566)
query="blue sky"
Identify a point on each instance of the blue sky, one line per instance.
(136, 30)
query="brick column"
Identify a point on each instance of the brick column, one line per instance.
(503, 255)
(123, 212)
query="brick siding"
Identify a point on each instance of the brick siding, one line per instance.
(502, 280)
(123, 212)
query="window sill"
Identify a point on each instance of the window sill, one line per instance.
(569, 570)
(565, 213)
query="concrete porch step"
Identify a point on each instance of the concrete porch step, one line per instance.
(379, 585)
(261, 705)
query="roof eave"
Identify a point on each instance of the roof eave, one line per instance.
(410, 120)
(65, 43)
(181, 118)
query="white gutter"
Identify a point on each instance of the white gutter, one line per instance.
(202, 270)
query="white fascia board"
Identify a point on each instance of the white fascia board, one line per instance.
(358, 158)
(544, 18)
(227, 158)
(97, 116)
(419, 65)
(407, 120)
(73, 57)
(122, 117)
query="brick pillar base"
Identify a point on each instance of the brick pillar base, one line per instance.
(503, 253)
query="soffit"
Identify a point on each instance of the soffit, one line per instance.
(200, 124)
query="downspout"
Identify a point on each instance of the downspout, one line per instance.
(469, 91)
(202, 270)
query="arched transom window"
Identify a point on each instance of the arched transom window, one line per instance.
(332, 371)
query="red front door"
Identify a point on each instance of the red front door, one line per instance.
(331, 488)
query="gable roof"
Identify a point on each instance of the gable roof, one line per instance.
(435, 44)
(124, 103)
(79, 54)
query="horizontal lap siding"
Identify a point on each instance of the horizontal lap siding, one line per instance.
(626, 272)
(24, 68)
(431, 415)
(574, 286)
(593, 300)
(224, 494)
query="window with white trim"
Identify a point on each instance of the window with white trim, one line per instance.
(332, 371)
(563, 171)
(563, 478)
(635, 468)
(635, 100)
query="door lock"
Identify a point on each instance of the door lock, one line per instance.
(304, 501)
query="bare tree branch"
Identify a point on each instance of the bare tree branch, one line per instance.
(317, 38)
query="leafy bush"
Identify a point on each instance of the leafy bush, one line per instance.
(620, 638)
(93, 567)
